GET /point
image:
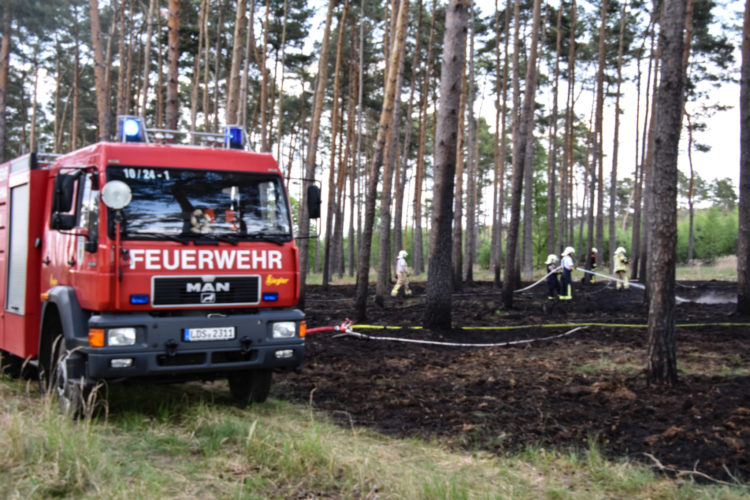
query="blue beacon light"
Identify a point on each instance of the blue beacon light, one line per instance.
(132, 129)
(234, 137)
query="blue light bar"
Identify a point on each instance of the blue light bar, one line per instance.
(131, 129)
(139, 299)
(270, 296)
(234, 137)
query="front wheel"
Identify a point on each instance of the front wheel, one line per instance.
(250, 386)
(64, 379)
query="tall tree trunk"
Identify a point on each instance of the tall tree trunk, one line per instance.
(501, 149)
(102, 106)
(566, 195)
(418, 243)
(616, 142)
(598, 140)
(233, 82)
(147, 56)
(331, 207)
(121, 61)
(458, 202)
(662, 361)
(552, 241)
(4, 71)
(357, 149)
(75, 119)
(471, 174)
(401, 185)
(525, 136)
(743, 244)
(202, 38)
(691, 185)
(391, 154)
(384, 132)
(304, 217)
(264, 135)
(437, 312)
(172, 112)
(280, 113)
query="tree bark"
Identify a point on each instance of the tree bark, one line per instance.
(615, 143)
(99, 72)
(304, 215)
(525, 135)
(172, 112)
(233, 82)
(598, 136)
(332, 184)
(743, 244)
(398, 48)
(438, 305)
(662, 362)
(471, 174)
(147, 56)
(552, 239)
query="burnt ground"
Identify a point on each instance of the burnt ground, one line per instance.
(561, 393)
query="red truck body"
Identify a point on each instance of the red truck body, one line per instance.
(201, 281)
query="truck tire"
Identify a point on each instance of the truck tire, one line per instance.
(250, 386)
(75, 395)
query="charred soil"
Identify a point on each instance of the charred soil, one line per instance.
(589, 385)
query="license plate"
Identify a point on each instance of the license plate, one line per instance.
(204, 334)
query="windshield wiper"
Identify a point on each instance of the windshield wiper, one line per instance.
(278, 238)
(155, 236)
(227, 238)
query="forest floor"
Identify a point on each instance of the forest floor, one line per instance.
(588, 386)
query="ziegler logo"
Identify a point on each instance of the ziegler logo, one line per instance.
(271, 281)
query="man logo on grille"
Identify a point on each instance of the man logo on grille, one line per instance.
(208, 298)
(208, 287)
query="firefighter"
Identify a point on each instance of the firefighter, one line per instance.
(402, 272)
(621, 268)
(553, 284)
(567, 264)
(592, 278)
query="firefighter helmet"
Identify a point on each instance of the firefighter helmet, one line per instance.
(568, 251)
(402, 253)
(620, 250)
(551, 259)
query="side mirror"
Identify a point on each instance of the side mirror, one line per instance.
(62, 202)
(313, 201)
(64, 191)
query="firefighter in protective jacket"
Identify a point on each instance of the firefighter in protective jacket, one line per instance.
(553, 285)
(402, 271)
(621, 268)
(567, 264)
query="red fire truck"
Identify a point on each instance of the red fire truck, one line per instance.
(145, 260)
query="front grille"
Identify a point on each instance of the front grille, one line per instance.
(201, 291)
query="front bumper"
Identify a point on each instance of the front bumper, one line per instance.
(161, 352)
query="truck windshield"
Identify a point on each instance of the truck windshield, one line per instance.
(225, 206)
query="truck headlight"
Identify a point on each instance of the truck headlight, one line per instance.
(120, 336)
(284, 329)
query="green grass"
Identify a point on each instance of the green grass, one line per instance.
(187, 441)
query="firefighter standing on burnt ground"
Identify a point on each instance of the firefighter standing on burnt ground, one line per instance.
(567, 264)
(553, 284)
(402, 272)
(592, 266)
(621, 268)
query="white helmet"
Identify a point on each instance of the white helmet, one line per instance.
(402, 253)
(551, 259)
(568, 251)
(620, 250)
(594, 250)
